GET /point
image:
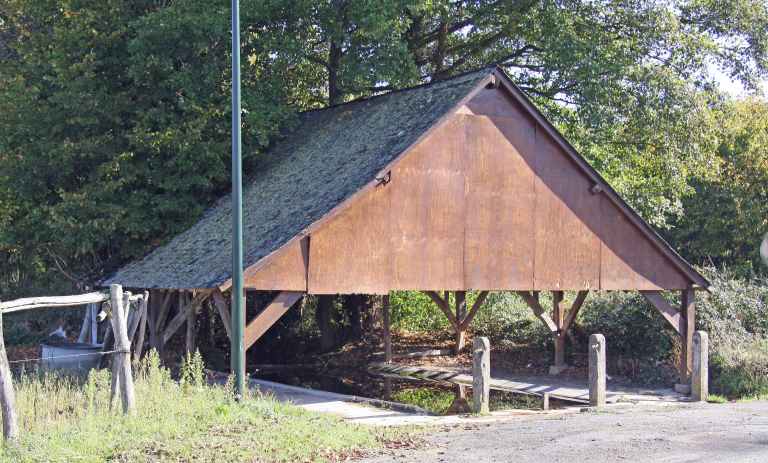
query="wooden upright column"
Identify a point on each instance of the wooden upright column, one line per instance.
(387, 332)
(558, 315)
(461, 310)
(688, 325)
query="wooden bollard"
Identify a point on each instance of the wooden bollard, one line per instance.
(481, 374)
(700, 377)
(122, 377)
(597, 370)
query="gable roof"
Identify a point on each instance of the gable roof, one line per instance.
(333, 153)
(330, 155)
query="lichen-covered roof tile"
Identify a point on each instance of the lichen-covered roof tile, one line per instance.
(330, 155)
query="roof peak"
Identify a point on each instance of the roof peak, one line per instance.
(485, 69)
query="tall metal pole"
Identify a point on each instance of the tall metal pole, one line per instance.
(238, 309)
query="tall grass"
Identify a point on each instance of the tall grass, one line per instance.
(64, 419)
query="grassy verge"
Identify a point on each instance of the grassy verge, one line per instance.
(65, 420)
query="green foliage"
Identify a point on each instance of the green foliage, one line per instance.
(433, 399)
(63, 420)
(726, 219)
(415, 311)
(114, 115)
(114, 130)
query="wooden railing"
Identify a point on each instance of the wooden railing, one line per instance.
(117, 305)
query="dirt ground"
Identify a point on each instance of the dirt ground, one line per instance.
(686, 433)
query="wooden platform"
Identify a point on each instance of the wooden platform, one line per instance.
(566, 389)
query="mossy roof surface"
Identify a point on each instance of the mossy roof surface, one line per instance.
(330, 155)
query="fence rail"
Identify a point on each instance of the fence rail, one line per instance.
(122, 377)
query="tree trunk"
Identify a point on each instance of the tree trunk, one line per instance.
(335, 95)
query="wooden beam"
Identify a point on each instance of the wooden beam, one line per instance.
(665, 309)
(267, 317)
(573, 312)
(190, 336)
(53, 302)
(181, 317)
(221, 306)
(442, 304)
(688, 313)
(558, 314)
(162, 313)
(532, 299)
(473, 311)
(387, 333)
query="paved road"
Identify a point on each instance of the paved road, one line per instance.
(687, 433)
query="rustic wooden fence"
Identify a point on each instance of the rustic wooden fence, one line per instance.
(115, 305)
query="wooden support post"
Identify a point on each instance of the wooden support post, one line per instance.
(460, 299)
(688, 326)
(532, 299)
(7, 394)
(156, 330)
(182, 316)
(267, 317)
(222, 306)
(481, 374)
(139, 342)
(121, 362)
(700, 382)
(545, 405)
(387, 333)
(558, 316)
(191, 326)
(597, 374)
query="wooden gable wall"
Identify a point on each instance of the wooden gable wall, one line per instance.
(488, 200)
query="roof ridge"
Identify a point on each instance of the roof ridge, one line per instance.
(361, 99)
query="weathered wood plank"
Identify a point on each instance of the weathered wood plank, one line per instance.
(499, 225)
(53, 302)
(267, 317)
(223, 308)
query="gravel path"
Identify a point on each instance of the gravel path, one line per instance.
(682, 433)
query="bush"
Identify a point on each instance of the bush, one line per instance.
(735, 314)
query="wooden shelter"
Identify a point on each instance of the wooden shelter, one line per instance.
(456, 185)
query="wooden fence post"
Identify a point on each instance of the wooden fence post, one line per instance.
(122, 376)
(597, 370)
(387, 333)
(7, 395)
(481, 374)
(700, 380)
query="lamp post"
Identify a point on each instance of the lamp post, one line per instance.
(238, 309)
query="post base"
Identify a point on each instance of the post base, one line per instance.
(557, 369)
(683, 388)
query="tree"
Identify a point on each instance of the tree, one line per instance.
(114, 132)
(727, 217)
